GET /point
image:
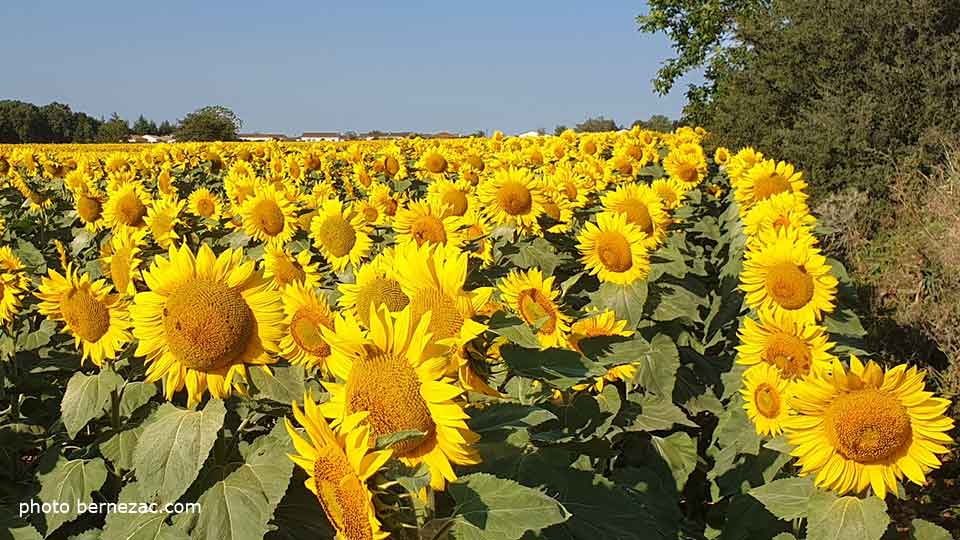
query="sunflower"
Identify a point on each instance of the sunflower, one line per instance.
(574, 186)
(787, 275)
(477, 233)
(794, 349)
(512, 197)
(397, 374)
(204, 319)
(427, 222)
(454, 196)
(376, 285)
(120, 260)
(740, 163)
(721, 156)
(393, 163)
(686, 164)
(766, 179)
(534, 299)
(13, 282)
(669, 191)
(614, 250)
(643, 208)
(559, 210)
(238, 185)
(385, 201)
(340, 235)
(765, 395)
(203, 203)
(98, 321)
(782, 210)
(89, 209)
(162, 217)
(433, 162)
(338, 465)
(623, 372)
(305, 313)
(604, 323)
(269, 216)
(126, 206)
(284, 269)
(865, 427)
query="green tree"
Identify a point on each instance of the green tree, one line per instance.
(559, 129)
(113, 130)
(142, 126)
(595, 125)
(657, 122)
(166, 128)
(212, 123)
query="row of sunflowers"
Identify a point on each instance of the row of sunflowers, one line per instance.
(495, 338)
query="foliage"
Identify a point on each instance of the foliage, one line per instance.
(211, 123)
(597, 124)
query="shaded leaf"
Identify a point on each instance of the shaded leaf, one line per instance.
(87, 397)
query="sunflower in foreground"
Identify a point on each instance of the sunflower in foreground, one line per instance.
(397, 374)
(614, 250)
(97, 320)
(864, 427)
(765, 395)
(787, 275)
(512, 197)
(340, 234)
(204, 319)
(376, 285)
(766, 179)
(306, 312)
(338, 464)
(126, 206)
(643, 208)
(533, 298)
(686, 164)
(794, 349)
(89, 209)
(269, 216)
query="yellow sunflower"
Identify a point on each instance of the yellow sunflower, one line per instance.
(574, 186)
(340, 235)
(204, 319)
(643, 208)
(306, 312)
(376, 285)
(13, 282)
(604, 323)
(269, 216)
(765, 395)
(787, 275)
(120, 260)
(794, 349)
(162, 217)
(865, 427)
(203, 203)
(338, 465)
(477, 233)
(98, 321)
(433, 162)
(721, 156)
(455, 196)
(614, 250)
(782, 210)
(669, 191)
(397, 374)
(89, 209)
(740, 163)
(533, 298)
(686, 164)
(512, 197)
(427, 222)
(766, 179)
(126, 206)
(283, 268)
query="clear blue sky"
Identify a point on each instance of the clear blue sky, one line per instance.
(334, 66)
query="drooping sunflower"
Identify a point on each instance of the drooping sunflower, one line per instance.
(269, 216)
(97, 320)
(781, 210)
(765, 395)
(643, 208)
(338, 464)
(533, 298)
(614, 250)
(306, 312)
(162, 218)
(786, 274)
(340, 234)
(512, 197)
(284, 268)
(455, 196)
(203, 203)
(204, 319)
(766, 179)
(397, 374)
(120, 261)
(426, 222)
(865, 427)
(13, 282)
(433, 162)
(126, 206)
(721, 156)
(376, 285)
(794, 349)
(89, 209)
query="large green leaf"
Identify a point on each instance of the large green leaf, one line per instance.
(787, 498)
(120, 447)
(512, 328)
(87, 397)
(679, 450)
(139, 525)
(70, 482)
(537, 253)
(506, 416)
(13, 527)
(559, 367)
(653, 413)
(626, 301)
(174, 446)
(284, 386)
(136, 395)
(924, 530)
(657, 363)
(846, 518)
(491, 508)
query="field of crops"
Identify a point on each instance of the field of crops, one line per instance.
(588, 336)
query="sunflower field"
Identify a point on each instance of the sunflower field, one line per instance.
(587, 336)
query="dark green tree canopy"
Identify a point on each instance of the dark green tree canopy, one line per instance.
(22, 122)
(212, 123)
(113, 130)
(595, 125)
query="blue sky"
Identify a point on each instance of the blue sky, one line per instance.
(323, 66)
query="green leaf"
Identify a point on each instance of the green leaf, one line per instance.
(120, 447)
(538, 253)
(560, 367)
(787, 498)
(87, 397)
(846, 518)
(136, 395)
(657, 364)
(501, 416)
(68, 483)
(679, 450)
(174, 446)
(626, 301)
(41, 336)
(31, 256)
(139, 525)
(386, 441)
(240, 506)
(284, 386)
(491, 508)
(13, 527)
(653, 413)
(512, 328)
(676, 302)
(924, 530)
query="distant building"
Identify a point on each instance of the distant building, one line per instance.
(443, 135)
(259, 137)
(149, 139)
(320, 136)
(530, 134)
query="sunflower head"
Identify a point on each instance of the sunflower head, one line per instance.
(765, 399)
(614, 250)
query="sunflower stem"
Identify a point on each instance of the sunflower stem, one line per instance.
(115, 410)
